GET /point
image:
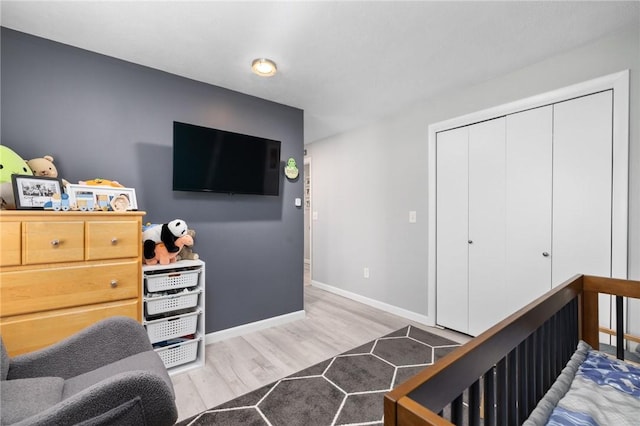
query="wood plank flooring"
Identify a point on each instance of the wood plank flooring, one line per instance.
(241, 364)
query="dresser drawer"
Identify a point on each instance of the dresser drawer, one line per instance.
(45, 289)
(27, 333)
(50, 242)
(10, 243)
(113, 240)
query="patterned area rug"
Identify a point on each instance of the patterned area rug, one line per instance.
(345, 390)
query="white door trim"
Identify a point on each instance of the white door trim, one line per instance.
(619, 82)
(307, 160)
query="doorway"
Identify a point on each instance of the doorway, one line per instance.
(307, 220)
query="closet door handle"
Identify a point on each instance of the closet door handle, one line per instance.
(545, 254)
(470, 241)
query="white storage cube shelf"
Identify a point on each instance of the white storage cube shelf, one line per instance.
(169, 291)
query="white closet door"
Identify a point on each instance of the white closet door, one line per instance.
(486, 224)
(452, 229)
(528, 205)
(582, 182)
(582, 173)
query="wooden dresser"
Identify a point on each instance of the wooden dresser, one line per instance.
(62, 271)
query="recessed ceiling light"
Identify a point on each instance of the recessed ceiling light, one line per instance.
(264, 67)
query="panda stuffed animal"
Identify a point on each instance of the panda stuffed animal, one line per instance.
(166, 233)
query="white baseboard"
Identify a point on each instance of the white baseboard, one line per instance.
(413, 316)
(240, 330)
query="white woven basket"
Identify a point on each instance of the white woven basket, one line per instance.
(171, 281)
(170, 328)
(179, 354)
(158, 305)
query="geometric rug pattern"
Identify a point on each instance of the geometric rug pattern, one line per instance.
(347, 389)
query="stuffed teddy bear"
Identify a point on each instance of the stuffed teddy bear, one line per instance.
(44, 166)
(186, 252)
(10, 164)
(163, 256)
(166, 233)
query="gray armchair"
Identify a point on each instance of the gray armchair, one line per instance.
(107, 374)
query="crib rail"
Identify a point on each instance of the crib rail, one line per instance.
(498, 377)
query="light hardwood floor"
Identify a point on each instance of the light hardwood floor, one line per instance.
(238, 365)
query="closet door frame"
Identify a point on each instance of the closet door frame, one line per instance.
(619, 83)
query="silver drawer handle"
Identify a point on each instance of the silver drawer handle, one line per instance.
(55, 243)
(114, 241)
(545, 254)
(114, 283)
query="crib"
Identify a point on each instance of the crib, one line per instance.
(498, 377)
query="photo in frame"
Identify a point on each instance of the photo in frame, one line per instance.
(33, 192)
(94, 197)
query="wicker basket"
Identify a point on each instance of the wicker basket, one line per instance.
(179, 354)
(158, 305)
(170, 328)
(172, 281)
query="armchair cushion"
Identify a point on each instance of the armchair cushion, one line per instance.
(128, 413)
(152, 401)
(149, 361)
(22, 398)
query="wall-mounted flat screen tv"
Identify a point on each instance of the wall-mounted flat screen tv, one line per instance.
(213, 160)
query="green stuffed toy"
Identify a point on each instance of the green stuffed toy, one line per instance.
(10, 164)
(291, 169)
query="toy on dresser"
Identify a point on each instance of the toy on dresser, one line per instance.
(44, 166)
(101, 182)
(10, 164)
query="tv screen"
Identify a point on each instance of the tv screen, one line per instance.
(213, 160)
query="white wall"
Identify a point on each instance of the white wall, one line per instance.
(365, 182)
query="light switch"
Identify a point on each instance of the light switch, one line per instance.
(412, 216)
(298, 202)
(315, 215)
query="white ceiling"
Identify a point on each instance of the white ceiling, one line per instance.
(345, 63)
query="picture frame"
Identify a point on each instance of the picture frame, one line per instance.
(33, 192)
(106, 198)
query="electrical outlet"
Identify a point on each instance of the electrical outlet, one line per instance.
(365, 273)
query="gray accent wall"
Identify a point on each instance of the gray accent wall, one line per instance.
(100, 117)
(366, 181)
